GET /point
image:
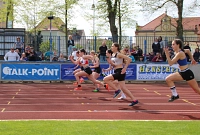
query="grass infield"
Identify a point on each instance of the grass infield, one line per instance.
(62, 127)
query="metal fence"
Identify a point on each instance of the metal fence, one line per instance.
(94, 42)
(8, 37)
(90, 42)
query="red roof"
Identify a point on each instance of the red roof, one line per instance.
(188, 23)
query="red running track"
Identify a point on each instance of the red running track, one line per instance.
(60, 101)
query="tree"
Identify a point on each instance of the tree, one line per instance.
(152, 6)
(44, 47)
(125, 16)
(6, 15)
(113, 14)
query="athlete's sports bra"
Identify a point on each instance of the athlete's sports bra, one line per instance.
(182, 62)
(83, 62)
(117, 61)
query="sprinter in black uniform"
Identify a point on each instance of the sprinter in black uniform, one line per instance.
(185, 73)
(117, 61)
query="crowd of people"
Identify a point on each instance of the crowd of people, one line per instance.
(88, 65)
(119, 60)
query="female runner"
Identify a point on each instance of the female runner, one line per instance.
(97, 69)
(185, 73)
(85, 69)
(108, 55)
(119, 72)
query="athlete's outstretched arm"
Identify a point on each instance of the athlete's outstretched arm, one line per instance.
(190, 55)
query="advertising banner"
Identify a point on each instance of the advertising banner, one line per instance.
(151, 72)
(67, 71)
(30, 72)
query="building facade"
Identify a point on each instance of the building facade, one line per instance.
(165, 26)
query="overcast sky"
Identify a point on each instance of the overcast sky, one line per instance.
(141, 19)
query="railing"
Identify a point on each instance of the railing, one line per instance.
(92, 42)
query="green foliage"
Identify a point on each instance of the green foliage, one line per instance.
(102, 10)
(45, 46)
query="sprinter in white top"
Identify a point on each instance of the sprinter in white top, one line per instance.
(117, 61)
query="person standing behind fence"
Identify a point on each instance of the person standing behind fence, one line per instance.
(70, 45)
(102, 51)
(156, 46)
(160, 41)
(19, 45)
(11, 55)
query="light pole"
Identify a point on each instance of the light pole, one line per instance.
(50, 40)
(94, 42)
(93, 8)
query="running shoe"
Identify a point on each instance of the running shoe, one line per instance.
(96, 90)
(133, 103)
(173, 98)
(81, 80)
(102, 74)
(106, 86)
(122, 96)
(75, 83)
(116, 93)
(78, 88)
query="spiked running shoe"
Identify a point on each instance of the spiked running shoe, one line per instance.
(173, 98)
(106, 86)
(116, 93)
(133, 103)
(78, 88)
(96, 90)
(81, 80)
(102, 74)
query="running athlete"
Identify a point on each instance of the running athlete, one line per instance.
(108, 55)
(97, 69)
(119, 72)
(85, 69)
(77, 67)
(185, 73)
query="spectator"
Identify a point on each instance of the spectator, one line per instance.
(23, 57)
(126, 51)
(156, 46)
(74, 53)
(55, 56)
(61, 58)
(137, 52)
(187, 46)
(17, 51)
(196, 55)
(32, 55)
(70, 45)
(141, 58)
(11, 55)
(102, 51)
(157, 58)
(19, 45)
(151, 56)
(27, 51)
(160, 41)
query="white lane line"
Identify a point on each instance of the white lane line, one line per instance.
(111, 111)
